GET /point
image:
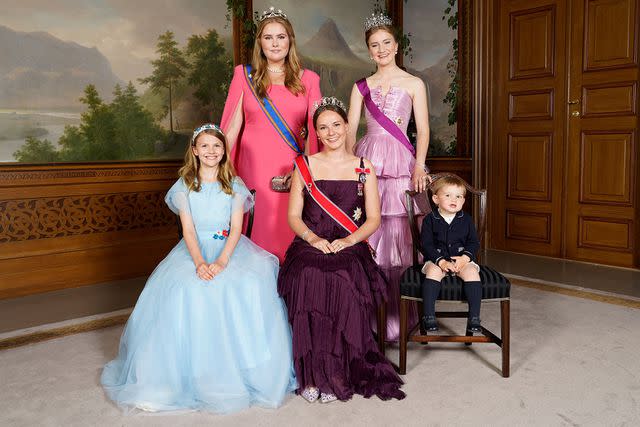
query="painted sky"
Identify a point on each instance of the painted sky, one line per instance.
(126, 31)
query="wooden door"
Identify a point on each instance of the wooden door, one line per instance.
(526, 175)
(602, 152)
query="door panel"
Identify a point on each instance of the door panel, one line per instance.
(602, 154)
(529, 153)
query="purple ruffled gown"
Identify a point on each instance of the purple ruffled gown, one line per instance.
(393, 164)
(330, 298)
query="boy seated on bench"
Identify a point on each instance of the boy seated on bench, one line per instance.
(450, 243)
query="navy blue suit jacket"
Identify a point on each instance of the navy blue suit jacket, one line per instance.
(442, 240)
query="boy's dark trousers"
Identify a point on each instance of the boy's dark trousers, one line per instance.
(431, 290)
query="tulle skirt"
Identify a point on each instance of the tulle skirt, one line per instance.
(219, 345)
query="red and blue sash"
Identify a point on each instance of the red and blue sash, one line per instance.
(323, 201)
(273, 115)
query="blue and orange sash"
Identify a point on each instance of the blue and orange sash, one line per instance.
(325, 202)
(273, 115)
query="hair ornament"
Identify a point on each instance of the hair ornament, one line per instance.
(329, 100)
(272, 13)
(376, 20)
(206, 126)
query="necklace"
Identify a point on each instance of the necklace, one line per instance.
(276, 71)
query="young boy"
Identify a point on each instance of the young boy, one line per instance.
(450, 243)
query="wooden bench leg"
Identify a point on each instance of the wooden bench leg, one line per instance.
(403, 336)
(382, 327)
(505, 310)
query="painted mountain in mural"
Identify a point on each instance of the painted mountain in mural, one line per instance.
(40, 71)
(437, 78)
(329, 44)
(328, 54)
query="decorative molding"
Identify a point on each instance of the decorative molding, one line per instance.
(536, 98)
(612, 228)
(18, 175)
(52, 217)
(541, 220)
(548, 67)
(92, 173)
(465, 73)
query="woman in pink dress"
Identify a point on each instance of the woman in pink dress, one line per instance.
(267, 135)
(389, 95)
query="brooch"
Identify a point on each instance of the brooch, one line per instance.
(357, 213)
(399, 120)
(221, 234)
(362, 178)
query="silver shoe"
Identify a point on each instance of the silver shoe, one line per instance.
(310, 394)
(327, 397)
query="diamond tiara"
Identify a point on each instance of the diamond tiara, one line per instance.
(376, 21)
(202, 128)
(272, 13)
(329, 100)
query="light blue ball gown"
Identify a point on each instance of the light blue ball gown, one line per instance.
(219, 345)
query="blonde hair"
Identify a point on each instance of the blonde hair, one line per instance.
(292, 63)
(453, 180)
(191, 168)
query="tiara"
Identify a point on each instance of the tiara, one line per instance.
(272, 13)
(328, 100)
(199, 130)
(376, 21)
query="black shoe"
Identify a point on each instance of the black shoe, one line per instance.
(473, 325)
(429, 323)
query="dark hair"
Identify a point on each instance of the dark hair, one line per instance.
(328, 107)
(388, 28)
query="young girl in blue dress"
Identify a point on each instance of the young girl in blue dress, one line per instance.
(209, 331)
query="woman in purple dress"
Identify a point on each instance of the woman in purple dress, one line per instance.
(388, 96)
(329, 279)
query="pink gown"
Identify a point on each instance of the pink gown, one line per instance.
(260, 153)
(393, 164)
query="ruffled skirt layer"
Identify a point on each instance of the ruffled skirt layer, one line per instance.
(393, 164)
(330, 299)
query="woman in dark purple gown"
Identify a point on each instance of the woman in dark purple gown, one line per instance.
(329, 279)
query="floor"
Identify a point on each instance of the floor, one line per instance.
(67, 304)
(59, 306)
(574, 362)
(596, 277)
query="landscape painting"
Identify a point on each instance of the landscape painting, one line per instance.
(111, 80)
(91, 80)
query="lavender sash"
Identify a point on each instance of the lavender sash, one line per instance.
(383, 120)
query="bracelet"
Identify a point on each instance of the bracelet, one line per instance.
(424, 166)
(304, 235)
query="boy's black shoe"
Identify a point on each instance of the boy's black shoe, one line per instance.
(429, 323)
(473, 325)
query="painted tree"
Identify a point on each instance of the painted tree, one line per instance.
(211, 70)
(136, 133)
(36, 151)
(167, 69)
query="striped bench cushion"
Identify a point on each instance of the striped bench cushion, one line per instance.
(494, 284)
